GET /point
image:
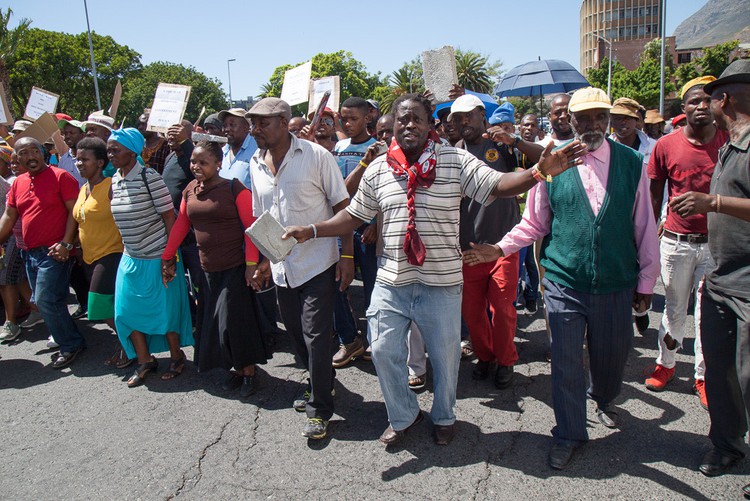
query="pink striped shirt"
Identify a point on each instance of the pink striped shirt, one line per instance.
(537, 218)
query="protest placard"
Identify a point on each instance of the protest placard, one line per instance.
(296, 88)
(439, 70)
(6, 117)
(42, 129)
(40, 102)
(115, 100)
(169, 106)
(319, 87)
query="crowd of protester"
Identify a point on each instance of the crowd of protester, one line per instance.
(456, 221)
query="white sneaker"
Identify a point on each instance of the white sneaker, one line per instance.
(51, 343)
(10, 331)
(34, 318)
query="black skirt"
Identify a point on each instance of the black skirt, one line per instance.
(230, 335)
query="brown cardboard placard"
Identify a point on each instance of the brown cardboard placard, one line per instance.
(41, 130)
(112, 112)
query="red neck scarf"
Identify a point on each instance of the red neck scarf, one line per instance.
(421, 173)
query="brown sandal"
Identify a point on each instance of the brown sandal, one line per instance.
(119, 360)
(139, 376)
(175, 368)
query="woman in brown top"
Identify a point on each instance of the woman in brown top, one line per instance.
(219, 211)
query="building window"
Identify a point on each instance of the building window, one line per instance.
(683, 58)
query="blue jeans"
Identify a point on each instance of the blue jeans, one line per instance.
(49, 281)
(437, 313)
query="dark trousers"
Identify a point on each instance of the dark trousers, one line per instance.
(80, 283)
(603, 321)
(307, 313)
(725, 335)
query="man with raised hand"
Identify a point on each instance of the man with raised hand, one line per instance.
(418, 186)
(600, 252)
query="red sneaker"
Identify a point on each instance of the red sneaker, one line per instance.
(660, 377)
(699, 388)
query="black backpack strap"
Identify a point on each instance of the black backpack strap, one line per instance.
(145, 182)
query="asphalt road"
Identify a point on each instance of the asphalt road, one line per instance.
(80, 433)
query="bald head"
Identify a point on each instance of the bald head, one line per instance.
(25, 141)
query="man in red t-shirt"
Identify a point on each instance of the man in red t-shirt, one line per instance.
(43, 198)
(685, 161)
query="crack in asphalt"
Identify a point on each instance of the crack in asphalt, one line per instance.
(184, 487)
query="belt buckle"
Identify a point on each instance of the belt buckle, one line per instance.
(693, 238)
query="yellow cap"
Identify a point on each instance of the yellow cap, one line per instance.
(696, 81)
(589, 98)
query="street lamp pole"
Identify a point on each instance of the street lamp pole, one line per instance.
(229, 80)
(609, 72)
(93, 63)
(663, 14)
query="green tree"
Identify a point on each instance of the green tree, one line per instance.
(475, 72)
(642, 83)
(139, 88)
(60, 63)
(10, 39)
(713, 61)
(354, 77)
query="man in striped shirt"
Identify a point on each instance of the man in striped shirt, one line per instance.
(418, 187)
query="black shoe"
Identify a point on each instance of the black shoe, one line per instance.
(443, 435)
(79, 313)
(560, 455)
(481, 371)
(248, 386)
(65, 358)
(607, 418)
(232, 382)
(717, 463)
(641, 323)
(503, 376)
(300, 403)
(531, 306)
(746, 491)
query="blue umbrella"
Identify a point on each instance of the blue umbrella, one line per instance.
(549, 76)
(490, 104)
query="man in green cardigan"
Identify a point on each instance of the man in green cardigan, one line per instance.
(601, 256)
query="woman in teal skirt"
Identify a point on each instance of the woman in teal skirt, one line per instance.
(150, 317)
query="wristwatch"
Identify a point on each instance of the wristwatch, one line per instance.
(67, 245)
(516, 140)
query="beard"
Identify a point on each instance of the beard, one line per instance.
(592, 139)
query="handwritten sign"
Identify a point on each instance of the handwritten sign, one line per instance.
(296, 88)
(5, 115)
(319, 87)
(439, 69)
(40, 102)
(169, 106)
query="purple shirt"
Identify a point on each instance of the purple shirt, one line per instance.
(537, 218)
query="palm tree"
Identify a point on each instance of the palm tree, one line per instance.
(474, 72)
(405, 80)
(9, 42)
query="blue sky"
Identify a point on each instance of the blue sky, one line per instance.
(382, 35)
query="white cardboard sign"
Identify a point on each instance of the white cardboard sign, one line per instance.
(169, 106)
(319, 87)
(40, 102)
(296, 88)
(5, 115)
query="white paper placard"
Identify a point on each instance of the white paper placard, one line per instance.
(319, 87)
(439, 70)
(296, 86)
(5, 115)
(169, 106)
(40, 102)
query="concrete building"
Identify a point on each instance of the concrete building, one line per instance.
(628, 24)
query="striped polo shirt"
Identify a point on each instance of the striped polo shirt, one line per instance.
(138, 213)
(458, 174)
